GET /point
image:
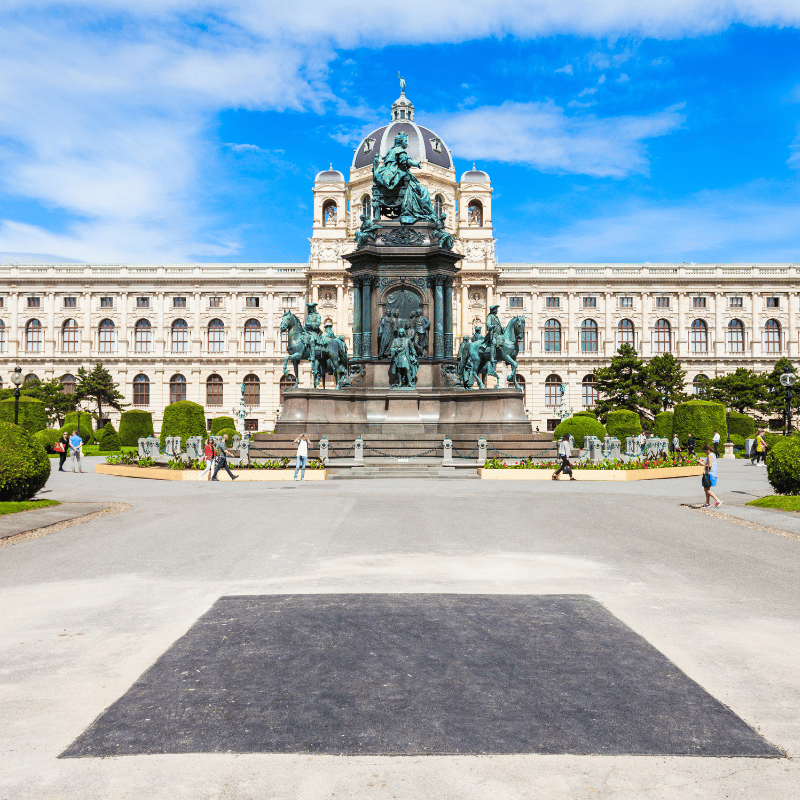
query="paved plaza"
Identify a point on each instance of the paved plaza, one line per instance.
(403, 639)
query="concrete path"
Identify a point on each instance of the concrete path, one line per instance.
(23, 521)
(88, 610)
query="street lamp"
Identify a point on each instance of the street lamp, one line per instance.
(16, 379)
(788, 380)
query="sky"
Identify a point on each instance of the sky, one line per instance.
(167, 131)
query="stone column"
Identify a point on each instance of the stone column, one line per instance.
(719, 338)
(448, 317)
(233, 335)
(572, 335)
(86, 343)
(13, 335)
(791, 330)
(340, 318)
(680, 342)
(608, 339)
(356, 317)
(161, 334)
(646, 347)
(197, 332)
(465, 331)
(50, 334)
(755, 342)
(534, 334)
(366, 317)
(489, 299)
(438, 317)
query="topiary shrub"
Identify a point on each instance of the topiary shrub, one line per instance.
(700, 418)
(32, 414)
(218, 423)
(738, 441)
(623, 423)
(230, 431)
(578, 427)
(24, 465)
(183, 419)
(741, 425)
(47, 438)
(86, 430)
(773, 438)
(662, 425)
(586, 414)
(783, 465)
(109, 440)
(133, 425)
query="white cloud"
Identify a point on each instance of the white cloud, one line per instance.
(542, 136)
(567, 68)
(794, 153)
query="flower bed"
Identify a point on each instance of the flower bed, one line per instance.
(134, 460)
(668, 462)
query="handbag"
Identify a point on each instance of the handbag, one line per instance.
(706, 480)
(58, 447)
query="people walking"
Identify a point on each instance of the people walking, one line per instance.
(222, 460)
(208, 457)
(690, 444)
(564, 452)
(642, 442)
(76, 450)
(759, 452)
(709, 479)
(676, 444)
(62, 448)
(715, 442)
(302, 442)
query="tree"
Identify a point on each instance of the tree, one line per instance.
(668, 379)
(99, 386)
(57, 404)
(739, 390)
(625, 383)
(774, 391)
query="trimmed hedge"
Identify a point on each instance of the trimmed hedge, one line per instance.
(622, 424)
(783, 465)
(109, 440)
(133, 425)
(741, 425)
(585, 414)
(737, 439)
(24, 465)
(230, 431)
(662, 425)
(578, 427)
(218, 423)
(86, 431)
(700, 418)
(32, 415)
(183, 419)
(47, 438)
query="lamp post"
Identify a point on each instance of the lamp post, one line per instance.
(16, 379)
(788, 380)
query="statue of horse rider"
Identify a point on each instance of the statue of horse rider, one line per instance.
(313, 329)
(493, 339)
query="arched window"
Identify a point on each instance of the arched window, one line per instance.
(588, 336)
(699, 385)
(589, 395)
(107, 338)
(366, 206)
(177, 388)
(2, 336)
(663, 336)
(31, 379)
(328, 213)
(626, 333)
(552, 390)
(216, 336)
(698, 337)
(141, 390)
(180, 336)
(286, 382)
(33, 336)
(736, 336)
(552, 336)
(475, 213)
(68, 384)
(252, 390)
(252, 336)
(772, 336)
(143, 336)
(438, 205)
(214, 390)
(70, 336)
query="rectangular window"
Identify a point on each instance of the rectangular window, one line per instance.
(179, 302)
(142, 302)
(773, 302)
(552, 424)
(251, 302)
(662, 302)
(2, 301)
(736, 302)
(552, 302)
(251, 425)
(70, 302)
(515, 302)
(590, 302)
(106, 302)
(698, 302)
(215, 302)
(288, 301)
(626, 302)
(284, 341)
(34, 302)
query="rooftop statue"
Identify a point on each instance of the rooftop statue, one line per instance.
(402, 83)
(395, 191)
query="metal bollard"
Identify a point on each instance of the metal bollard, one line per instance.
(481, 451)
(447, 458)
(168, 446)
(323, 449)
(358, 452)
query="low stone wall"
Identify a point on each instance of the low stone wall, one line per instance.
(591, 474)
(162, 474)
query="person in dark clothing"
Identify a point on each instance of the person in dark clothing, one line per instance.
(222, 460)
(62, 448)
(690, 444)
(564, 452)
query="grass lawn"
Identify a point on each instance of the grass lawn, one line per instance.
(11, 507)
(783, 502)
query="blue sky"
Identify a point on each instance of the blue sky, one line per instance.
(178, 130)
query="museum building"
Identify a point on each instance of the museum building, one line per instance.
(201, 332)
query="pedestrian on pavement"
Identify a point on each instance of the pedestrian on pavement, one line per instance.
(208, 457)
(715, 442)
(564, 452)
(642, 442)
(222, 459)
(709, 479)
(690, 444)
(676, 444)
(76, 449)
(302, 442)
(759, 452)
(62, 448)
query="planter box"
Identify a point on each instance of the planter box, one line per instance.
(163, 474)
(591, 474)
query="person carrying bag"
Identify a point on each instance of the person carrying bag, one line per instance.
(564, 452)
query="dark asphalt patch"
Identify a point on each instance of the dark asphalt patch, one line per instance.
(416, 674)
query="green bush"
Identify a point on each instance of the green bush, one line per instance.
(783, 465)
(47, 438)
(218, 423)
(586, 414)
(622, 424)
(133, 425)
(183, 419)
(24, 465)
(742, 425)
(109, 440)
(773, 438)
(578, 427)
(738, 441)
(32, 414)
(662, 425)
(776, 424)
(86, 430)
(230, 431)
(700, 418)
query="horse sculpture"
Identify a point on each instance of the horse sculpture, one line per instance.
(480, 360)
(298, 347)
(331, 359)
